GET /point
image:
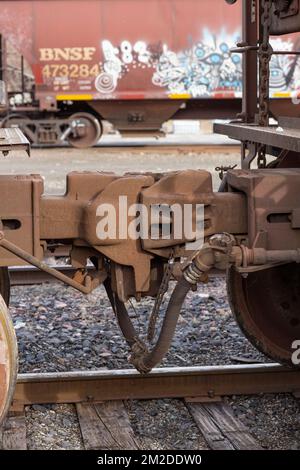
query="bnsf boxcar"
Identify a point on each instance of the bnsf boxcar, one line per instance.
(134, 63)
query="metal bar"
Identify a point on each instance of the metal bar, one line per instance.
(12, 248)
(22, 78)
(288, 139)
(29, 275)
(75, 387)
(286, 53)
(243, 49)
(250, 71)
(1, 58)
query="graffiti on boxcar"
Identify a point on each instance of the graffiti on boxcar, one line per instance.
(118, 60)
(283, 67)
(205, 68)
(201, 70)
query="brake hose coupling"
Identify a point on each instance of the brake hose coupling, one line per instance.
(215, 253)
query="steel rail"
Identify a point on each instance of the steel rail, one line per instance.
(202, 382)
(29, 275)
(174, 147)
(117, 147)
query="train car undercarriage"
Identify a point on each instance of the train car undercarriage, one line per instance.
(250, 228)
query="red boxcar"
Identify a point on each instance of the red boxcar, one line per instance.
(135, 63)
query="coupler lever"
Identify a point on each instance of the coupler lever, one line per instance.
(87, 285)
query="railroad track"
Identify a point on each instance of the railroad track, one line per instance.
(100, 399)
(157, 147)
(167, 148)
(29, 275)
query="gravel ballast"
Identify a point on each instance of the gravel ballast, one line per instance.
(64, 330)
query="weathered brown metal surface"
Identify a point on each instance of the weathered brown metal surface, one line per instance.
(266, 304)
(284, 138)
(287, 17)
(75, 387)
(272, 206)
(13, 139)
(8, 359)
(29, 275)
(249, 107)
(5, 285)
(87, 191)
(20, 210)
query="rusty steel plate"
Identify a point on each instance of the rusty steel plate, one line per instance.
(8, 360)
(13, 139)
(284, 138)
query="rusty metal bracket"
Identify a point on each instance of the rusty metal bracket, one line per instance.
(252, 152)
(81, 281)
(223, 169)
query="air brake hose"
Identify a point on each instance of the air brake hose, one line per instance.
(215, 253)
(121, 313)
(143, 359)
(145, 363)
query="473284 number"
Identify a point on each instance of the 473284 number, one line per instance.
(70, 70)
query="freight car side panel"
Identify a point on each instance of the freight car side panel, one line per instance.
(116, 49)
(133, 49)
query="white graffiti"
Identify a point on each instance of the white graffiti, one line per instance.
(207, 67)
(282, 67)
(201, 70)
(117, 60)
(107, 81)
(198, 71)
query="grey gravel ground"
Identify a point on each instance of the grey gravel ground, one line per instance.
(58, 329)
(53, 427)
(274, 420)
(54, 164)
(63, 330)
(165, 425)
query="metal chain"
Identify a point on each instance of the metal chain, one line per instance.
(261, 157)
(264, 54)
(159, 298)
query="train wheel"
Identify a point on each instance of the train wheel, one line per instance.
(266, 305)
(87, 130)
(13, 120)
(8, 360)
